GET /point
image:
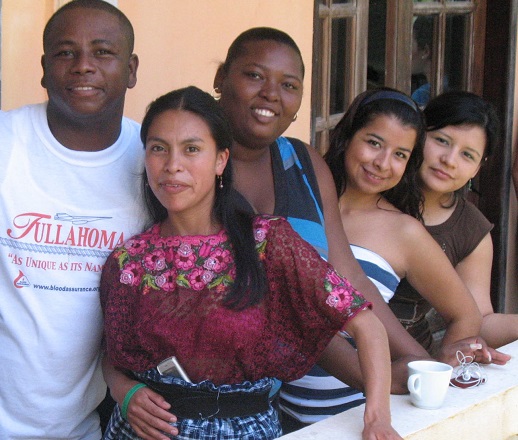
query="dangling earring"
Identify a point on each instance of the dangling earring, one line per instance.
(295, 117)
(220, 181)
(216, 93)
(470, 184)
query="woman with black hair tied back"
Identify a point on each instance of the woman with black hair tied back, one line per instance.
(238, 299)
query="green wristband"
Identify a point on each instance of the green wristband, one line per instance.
(129, 395)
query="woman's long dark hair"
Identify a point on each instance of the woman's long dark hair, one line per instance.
(250, 283)
(464, 108)
(363, 110)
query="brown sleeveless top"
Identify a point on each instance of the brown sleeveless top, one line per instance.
(458, 237)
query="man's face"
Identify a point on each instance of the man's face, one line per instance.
(87, 65)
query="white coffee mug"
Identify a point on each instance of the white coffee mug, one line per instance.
(428, 383)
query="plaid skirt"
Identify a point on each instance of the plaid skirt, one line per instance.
(262, 426)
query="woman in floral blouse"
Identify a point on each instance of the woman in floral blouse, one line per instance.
(237, 299)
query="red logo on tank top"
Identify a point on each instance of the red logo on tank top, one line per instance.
(21, 281)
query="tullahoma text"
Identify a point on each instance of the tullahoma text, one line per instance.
(33, 227)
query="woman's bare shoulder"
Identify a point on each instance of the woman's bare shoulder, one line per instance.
(402, 224)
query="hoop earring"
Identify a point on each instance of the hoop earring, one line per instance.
(216, 93)
(220, 181)
(295, 117)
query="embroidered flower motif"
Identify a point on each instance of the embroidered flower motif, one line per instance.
(167, 280)
(340, 295)
(259, 234)
(207, 276)
(260, 237)
(339, 298)
(205, 249)
(199, 278)
(185, 250)
(166, 263)
(132, 274)
(210, 263)
(332, 301)
(221, 259)
(155, 260)
(135, 247)
(334, 278)
(184, 258)
(156, 240)
(127, 277)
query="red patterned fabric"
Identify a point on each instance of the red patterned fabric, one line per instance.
(162, 296)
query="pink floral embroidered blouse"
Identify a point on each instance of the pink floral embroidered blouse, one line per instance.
(162, 296)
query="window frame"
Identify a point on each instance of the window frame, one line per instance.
(400, 14)
(356, 48)
(399, 21)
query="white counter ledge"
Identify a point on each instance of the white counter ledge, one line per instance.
(486, 412)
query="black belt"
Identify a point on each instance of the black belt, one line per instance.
(197, 404)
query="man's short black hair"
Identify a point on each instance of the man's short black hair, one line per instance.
(99, 5)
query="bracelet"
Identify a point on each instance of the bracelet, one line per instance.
(129, 395)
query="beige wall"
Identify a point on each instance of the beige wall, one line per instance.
(178, 42)
(22, 28)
